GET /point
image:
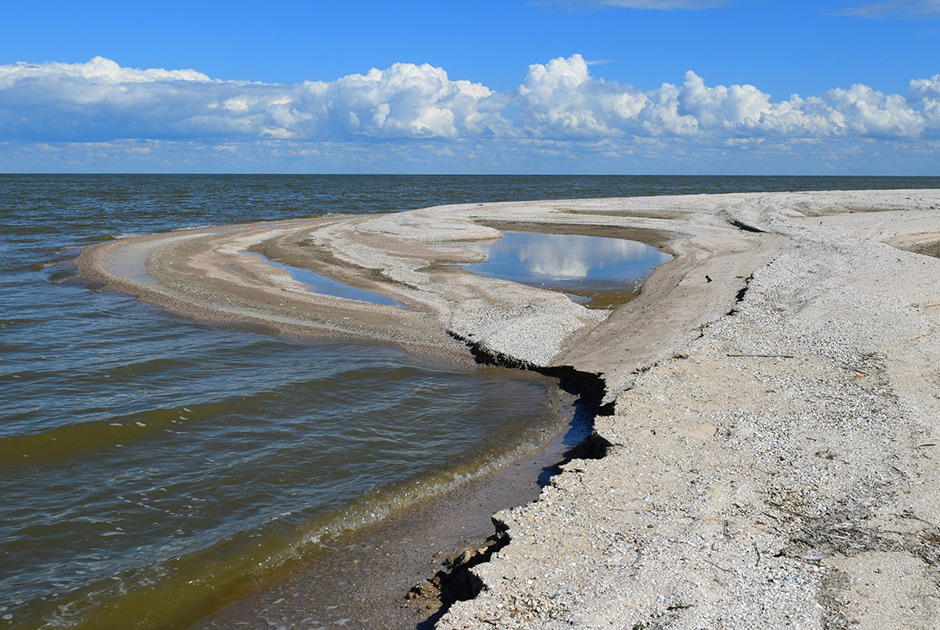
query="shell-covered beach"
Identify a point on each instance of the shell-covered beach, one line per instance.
(769, 450)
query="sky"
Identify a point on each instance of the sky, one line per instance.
(801, 87)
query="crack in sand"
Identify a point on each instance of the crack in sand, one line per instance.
(728, 480)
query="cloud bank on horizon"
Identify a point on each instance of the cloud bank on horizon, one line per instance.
(558, 113)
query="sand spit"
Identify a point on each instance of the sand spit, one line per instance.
(774, 441)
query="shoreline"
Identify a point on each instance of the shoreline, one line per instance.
(455, 523)
(689, 517)
(381, 576)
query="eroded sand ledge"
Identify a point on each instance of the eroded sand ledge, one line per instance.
(776, 431)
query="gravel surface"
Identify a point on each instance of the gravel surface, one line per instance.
(774, 441)
(778, 471)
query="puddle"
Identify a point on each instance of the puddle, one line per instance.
(596, 271)
(328, 286)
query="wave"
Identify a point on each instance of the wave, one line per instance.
(203, 580)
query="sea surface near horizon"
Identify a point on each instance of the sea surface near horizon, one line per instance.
(152, 466)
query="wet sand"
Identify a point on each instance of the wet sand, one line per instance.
(363, 579)
(772, 458)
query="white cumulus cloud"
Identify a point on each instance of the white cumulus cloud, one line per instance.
(562, 99)
(865, 111)
(99, 70)
(408, 100)
(102, 100)
(926, 94)
(557, 101)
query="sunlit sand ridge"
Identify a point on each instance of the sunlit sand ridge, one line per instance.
(772, 394)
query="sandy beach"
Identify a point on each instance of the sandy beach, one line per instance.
(772, 435)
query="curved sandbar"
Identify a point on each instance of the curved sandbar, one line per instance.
(774, 442)
(413, 257)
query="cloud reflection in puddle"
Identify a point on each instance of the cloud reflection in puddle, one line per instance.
(567, 261)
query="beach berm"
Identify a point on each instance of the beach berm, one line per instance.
(772, 447)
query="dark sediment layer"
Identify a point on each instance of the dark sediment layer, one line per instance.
(406, 571)
(789, 275)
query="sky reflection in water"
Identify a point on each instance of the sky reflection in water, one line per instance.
(328, 286)
(567, 262)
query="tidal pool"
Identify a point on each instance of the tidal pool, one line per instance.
(596, 271)
(328, 286)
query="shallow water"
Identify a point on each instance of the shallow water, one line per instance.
(328, 286)
(571, 263)
(174, 454)
(149, 459)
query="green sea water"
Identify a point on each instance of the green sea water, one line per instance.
(152, 467)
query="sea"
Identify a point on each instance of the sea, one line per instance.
(151, 466)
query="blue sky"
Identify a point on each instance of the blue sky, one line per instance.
(569, 86)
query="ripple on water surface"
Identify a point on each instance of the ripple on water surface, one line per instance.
(179, 461)
(145, 459)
